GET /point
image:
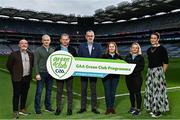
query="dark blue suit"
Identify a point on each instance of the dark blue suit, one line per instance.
(83, 51)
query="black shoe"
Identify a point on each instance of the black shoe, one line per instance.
(81, 111)
(137, 112)
(131, 110)
(156, 115)
(16, 115)
(49, 110)
(69, 112)
(58, 112)
(95, 111)
(38, 112)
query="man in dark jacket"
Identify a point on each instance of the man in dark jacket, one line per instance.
(64, 40)
(20, 65)
(89, 49)
(42, 76)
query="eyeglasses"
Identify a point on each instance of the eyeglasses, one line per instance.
(89, 35)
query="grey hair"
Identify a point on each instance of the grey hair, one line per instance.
(64, 34)
(45, 36)
(22, 40)
(89, 31)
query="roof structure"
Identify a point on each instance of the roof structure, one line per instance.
(123, 11)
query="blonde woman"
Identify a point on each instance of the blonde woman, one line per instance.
(134, 80)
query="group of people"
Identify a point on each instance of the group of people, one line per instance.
(21, 62)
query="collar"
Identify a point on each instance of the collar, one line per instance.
(89, 43)
(63, 46)
(25, 51)
(45, 47)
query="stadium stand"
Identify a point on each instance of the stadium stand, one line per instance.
(4, 49)
(141, 25)
(171, 20)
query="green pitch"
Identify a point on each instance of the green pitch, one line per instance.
(122, 101)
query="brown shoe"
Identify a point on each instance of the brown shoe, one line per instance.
(113, 111)
(108, 111)
(23, 112)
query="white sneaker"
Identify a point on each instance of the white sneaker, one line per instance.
(151, 113)
(49, 110)
(23, 113)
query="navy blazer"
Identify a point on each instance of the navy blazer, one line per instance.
(84, 52)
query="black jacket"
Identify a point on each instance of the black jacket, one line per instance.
(70, 50)
(139, 61)
(108, 56)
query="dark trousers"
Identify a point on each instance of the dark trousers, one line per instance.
(134, 86)
(47, 80)
(110, 86)
(84, 86)
(60, 84)
(20, 92)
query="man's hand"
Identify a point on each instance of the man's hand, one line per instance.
(38, 77)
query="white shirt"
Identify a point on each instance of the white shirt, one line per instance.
(90, 47)
(26, 63)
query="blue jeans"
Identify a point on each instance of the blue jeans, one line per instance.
(47, 80)
(110, 86)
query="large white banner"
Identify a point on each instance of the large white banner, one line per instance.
(62, 65)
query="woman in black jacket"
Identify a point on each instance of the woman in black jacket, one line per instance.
(110, 82)
(134, 80)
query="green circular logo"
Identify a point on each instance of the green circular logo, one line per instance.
(60, 65)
